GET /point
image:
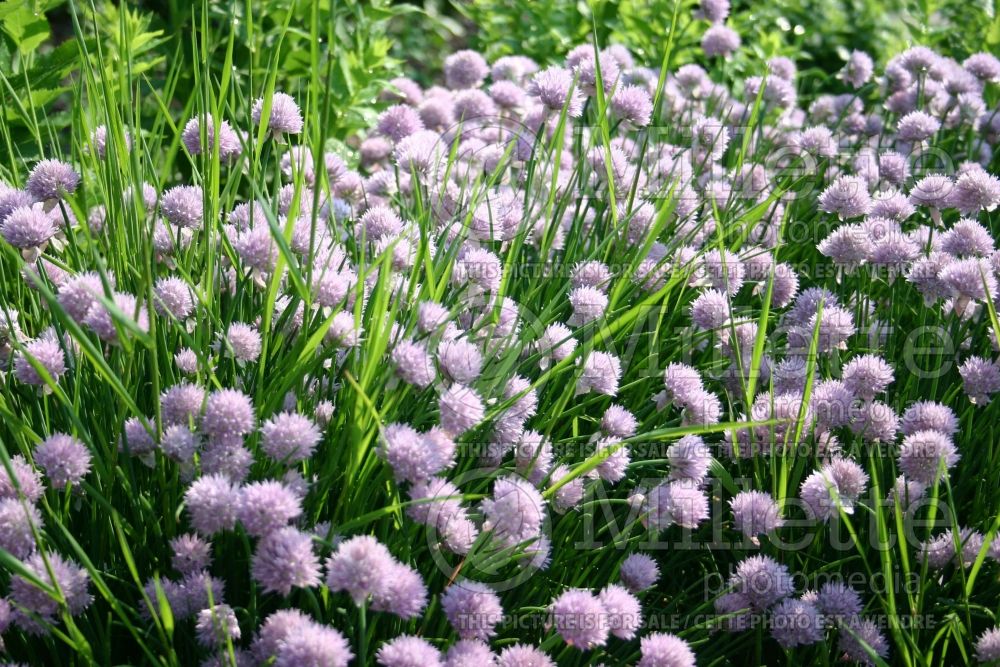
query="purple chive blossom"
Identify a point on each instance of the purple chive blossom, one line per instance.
(216, 625)
(172, 296)
(858, 70)
(689, 459)
(244, 340)
(632, 105)
(861, 636)
(179, 443)
(624, 613)
(875, 422)
(917, 126)
(763, 581)
(181, 403)
(556, 343)
(47, 353)
(819, 493)
(720, 40)
(264, 507)
(182, 206)
(975, 191)
(710, 310)
(601, 372)
(408, 651)
(835, 325)
(285, 118)
(796, 623)
(285, 559)
(848, 245)
(11, 199)
(51, 180)
(413, 364)
(278, 627)
(847, 196)
(925, 456)
(379, 222)
(662, 649)
(838, 600)
(618, 422)
(195, 588)
(469, 653)
(313, 645)
(588, 305)
(136, 438)
(714, 11)
(460, 360)
(228, 414)
(929, 416)
(866, 376)
(933, 191)
(980, 379)
(229, 140)
(638, 572)
(27, 482)
(988, 646)
(473, 609)
(17, 522)
(359, 566)
(67, 576)
(190, 553)
(465, 69)
(399, 121)
(406, 597)
(680, 502)
(64, 459)
(211, 502)
(580, 618)
(407, 452)
(460, 408)
(515, 512)
(555, 89)
(28, 229)
(755, 513)
(967, 237)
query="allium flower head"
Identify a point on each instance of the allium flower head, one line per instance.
(662, 649)
(285, 559)
(264, 507)
(847, 196)
(51, 180)
(925, 455)
(18, 520)
(710, 310)
(465, 69)
(601, 372)
(46, 352)
(866, 376)
(689, 459)
(64, 459)
(835, 325)
(408, 651)
(755, 513)
(172, 296)
(720, 40)
(244, 340)
(469, 653)
(967, 237)
(555, 89)
(624, 613)
(136, 438)
(228, 413)
(861, 636)
(556, 343)
(838, 600)
(406, 597)
(28, 228)
(229, 140)
(460, 408)
(933, 191)
(399, 121)
(680, 502)
(285, 116)
(580, 618)
(71, 579)
(858, 69)
(763, 581)
(182, 206)
(633, 105)
(917, 126)
(929, 416)
(875, 422)
(975, 191)
(216, 625)
(211, 502)
(473, 609)
(714, 11)
(618, 422)
(638, 572)
(27, 483)
(359, 566)
(980, 379)
(796, 622)
(988, 646)
(588, 305)
(460, 360)
(515, 512)
(181, 403)
(190, 553)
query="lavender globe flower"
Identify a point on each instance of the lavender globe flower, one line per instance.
(11, 199)
(27, 483)
(866, 376)
(285, 116)
(555, 89)
(755, 513)
(465, 69)
(413, 364)
(714, 11)
(632, 105)
(662, 649)
(710, 310)
(181, 403)
(216, 625)
(244, 340)
(847, 196)
(460, 360)
(55, 572)
(408, 651)
(618, 422)
(313, 645)
(861, 636)
(689, 459)
(763, 581)
(229, 141)
(64, 459)
(190, 553)
(917, 126)
(45, 352)
(796, 623)
(51, 180)
(926, 455)
(199, 590)
(285, 559)
(264, 507)
(624, 613)
(515, 512)
(276, 628)
(601, 372)
(28, 229)
(469, 653)
(933, 191)
(858, 70)
(179, 443)
(975, 191)
(172, 296)
(988, 646)
(228, 414)
(929, 416)
(18, 521)
(719, 40)
(460, 408)
(400, 121)
(359, 566)
(580, 618)
(473, 609)
(638, 572)
(136, 439)
(182, 206)
(681, 503)
(406, 597)
(838, 601)
(980, 379)
(211, 502)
